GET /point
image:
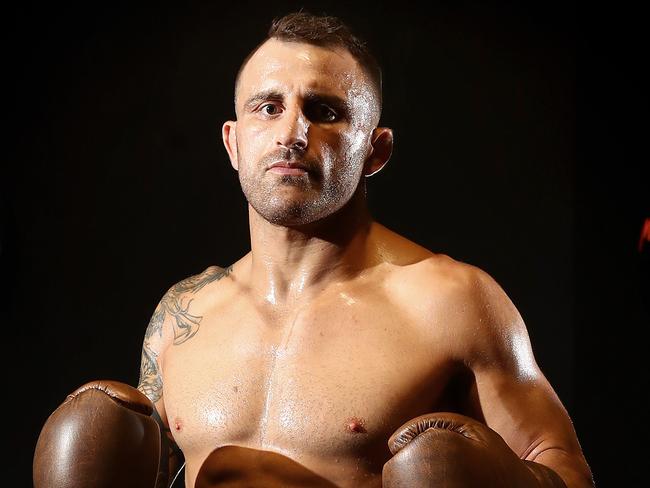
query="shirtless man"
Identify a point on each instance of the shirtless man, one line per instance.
(300, 360)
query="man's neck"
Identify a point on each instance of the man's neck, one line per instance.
(290, 264)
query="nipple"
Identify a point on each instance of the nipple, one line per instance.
(355, 425)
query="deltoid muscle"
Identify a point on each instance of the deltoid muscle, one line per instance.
(175, 304)
(185, 324)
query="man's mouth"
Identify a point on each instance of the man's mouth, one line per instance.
(288, 168)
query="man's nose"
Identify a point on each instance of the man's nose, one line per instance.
(292, 129)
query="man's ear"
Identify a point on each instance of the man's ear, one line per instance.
(382, 148)
(229, 135)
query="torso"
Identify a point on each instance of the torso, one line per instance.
(325, 384)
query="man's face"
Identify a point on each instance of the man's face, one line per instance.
(305, 116)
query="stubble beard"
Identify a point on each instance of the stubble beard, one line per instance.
(296, 200)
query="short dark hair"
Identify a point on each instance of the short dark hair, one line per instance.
(324, 31)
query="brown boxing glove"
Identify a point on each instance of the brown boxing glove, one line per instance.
(101, 436)
(454, 451)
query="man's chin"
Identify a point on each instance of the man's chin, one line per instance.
(290, 219)
(289, 215)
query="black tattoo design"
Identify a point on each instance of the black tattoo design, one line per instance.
(155, 324)
(150, 381)
(185, 324)
(176, 305)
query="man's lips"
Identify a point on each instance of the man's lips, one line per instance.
(288, 168)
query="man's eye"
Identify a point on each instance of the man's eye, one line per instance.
(329, 114)
(270, 109)
(324, 113)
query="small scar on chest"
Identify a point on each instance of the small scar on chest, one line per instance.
(355, 425)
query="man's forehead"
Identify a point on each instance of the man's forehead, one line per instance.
(287, 65)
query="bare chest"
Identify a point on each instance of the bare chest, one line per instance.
(328, 384)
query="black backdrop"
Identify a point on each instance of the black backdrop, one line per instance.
(519, 148)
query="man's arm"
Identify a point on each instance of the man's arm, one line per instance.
(157, 338)
(509, 392)
(171, 324)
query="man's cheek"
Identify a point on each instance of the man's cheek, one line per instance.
(357, 140)
(353, 151)
(327, 156)
(256, 130)
(252, 152)
(252, 139)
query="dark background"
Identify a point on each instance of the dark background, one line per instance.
(521, 134)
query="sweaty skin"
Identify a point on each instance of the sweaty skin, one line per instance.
(309, 351)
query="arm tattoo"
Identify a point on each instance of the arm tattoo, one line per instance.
(185, 325)
(155, 324)
(196, 282)
(150, 380)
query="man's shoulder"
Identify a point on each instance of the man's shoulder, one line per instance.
(441, 286)
(440, 273)
(472, 307)
(176, 303)
(416, 265)
(194, 283)
(198, 282)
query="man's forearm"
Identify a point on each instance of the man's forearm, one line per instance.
(573, 470)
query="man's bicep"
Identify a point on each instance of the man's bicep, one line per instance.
(529, 416)
(151, 384)
(509, 390)
(525, 411)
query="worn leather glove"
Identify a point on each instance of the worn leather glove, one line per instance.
(453, 451)
(102, 436)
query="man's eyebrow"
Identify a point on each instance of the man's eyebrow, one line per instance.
(263, 95)
(334, 100)
(311, 96)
